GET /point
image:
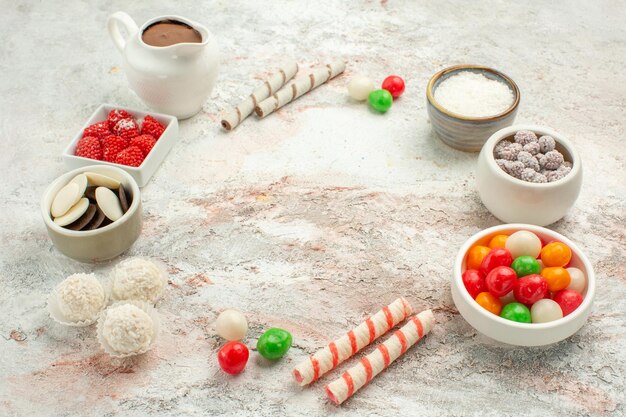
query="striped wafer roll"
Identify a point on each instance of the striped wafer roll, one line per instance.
(297, 88)
(235, 116)
(371, 365)
(356, 339)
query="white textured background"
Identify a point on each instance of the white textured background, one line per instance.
(316, 216)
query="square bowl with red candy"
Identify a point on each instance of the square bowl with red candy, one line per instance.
(133, 140)
(522, 284)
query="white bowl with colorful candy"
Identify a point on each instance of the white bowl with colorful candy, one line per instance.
(133, 140)
(523, 285)
(528, 174)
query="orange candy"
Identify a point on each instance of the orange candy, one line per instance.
(498, 241)
(489, 302)
(556, 254)
(557, 278)
(475, 256)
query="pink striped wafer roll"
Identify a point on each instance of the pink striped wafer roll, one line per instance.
(371, 365)
(356, 339)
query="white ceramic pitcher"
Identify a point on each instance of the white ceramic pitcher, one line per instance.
(175, 79)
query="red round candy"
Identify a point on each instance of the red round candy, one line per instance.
(500, 280)
(569, 300)
(395, 85)
(474, 282)
(530, 289)
(495, 257)
(233, 357)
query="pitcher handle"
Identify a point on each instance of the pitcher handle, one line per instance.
(113, 25)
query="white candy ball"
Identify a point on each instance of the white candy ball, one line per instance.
(577, 282)
(360, 87)
(231, 325)
(523, 243)
(545, 310)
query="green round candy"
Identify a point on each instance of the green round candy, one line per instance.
(380, 100)
(516, 312)
(525, 265)
(274, 343)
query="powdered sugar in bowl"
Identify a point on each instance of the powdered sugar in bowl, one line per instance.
(473, 103)
(540, 200)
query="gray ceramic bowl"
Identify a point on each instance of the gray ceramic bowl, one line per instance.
(100, 244)
(463, 132)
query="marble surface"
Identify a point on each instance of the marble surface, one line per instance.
(315, 217)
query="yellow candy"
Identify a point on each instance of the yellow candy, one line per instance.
(498, 241)
(557, 278)
(475, 256)
(556, 254)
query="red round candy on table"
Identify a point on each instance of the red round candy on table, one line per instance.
(500, 280)
(474, 282)
(495, 257)
(395, 85)
(233, 357)
(569, 300)
(530, 289)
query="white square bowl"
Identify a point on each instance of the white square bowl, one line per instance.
(143, 172)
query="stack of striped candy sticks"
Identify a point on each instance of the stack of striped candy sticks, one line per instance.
(337, 351)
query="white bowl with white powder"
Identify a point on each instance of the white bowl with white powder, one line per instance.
(468, 103)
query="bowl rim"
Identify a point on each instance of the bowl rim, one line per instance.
(457, 68)
(501, 134)
(582, 309)
(65, 178)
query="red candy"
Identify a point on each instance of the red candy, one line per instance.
(474, 282)
(395, 85)
(97, 130)
(495, 257)
(500, 280)
(126, 128)
(113, 145)
(143, 142)
(115, 116)
(151, 126)
(89, 147)
(530, 289)
(131, 156)
(233, 357)
(569, 300)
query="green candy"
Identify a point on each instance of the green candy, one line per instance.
(516, 312)
(380, 100)
(525, 265)
(274, 343)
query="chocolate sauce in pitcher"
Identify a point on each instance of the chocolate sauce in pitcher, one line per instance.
(170, 32)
